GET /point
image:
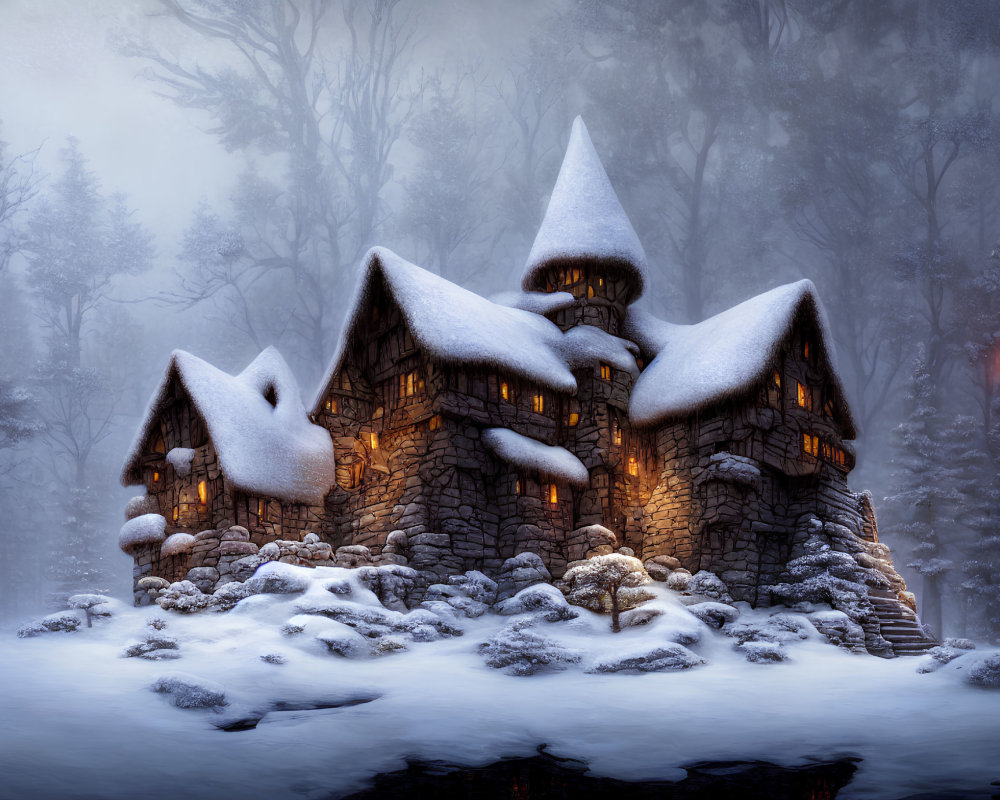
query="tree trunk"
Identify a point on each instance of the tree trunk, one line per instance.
(931, 602)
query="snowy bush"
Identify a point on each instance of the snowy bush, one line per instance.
(273, 658)
(607, 583)
(778, 629)
(763, 652)
(275, 577)
(184, 597)
(228, 595)
(824, 575)
(546, 600)
(679, 580)
(960, 644)
(388, 644)
(518, 650)
(707, 584)
(188, 692)
(65, 621)
(367, 620)
(153, 648)
(985, 672)
(668, 657)
(29, 629)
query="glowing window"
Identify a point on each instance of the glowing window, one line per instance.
(538, 404)
(504, 391)
(600, 281)
(574, 419)
(605, 372)
(261, 508)
(553, 494)
(517, 486)
(156, 477)
(590, 291)
(373, 440)
(616, 432)
(633, 466)
(804, 396)
(409, 384)
(331, 405)
(776, 377)
(810, 444)
(202, 492)
(434, 423)
(805, 348)
(177, 513)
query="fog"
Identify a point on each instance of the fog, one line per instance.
(262, 148)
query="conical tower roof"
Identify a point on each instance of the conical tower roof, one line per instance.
(584, 219)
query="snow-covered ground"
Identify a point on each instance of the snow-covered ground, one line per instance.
(79, 719)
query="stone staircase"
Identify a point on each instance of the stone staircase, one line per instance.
(898, 625)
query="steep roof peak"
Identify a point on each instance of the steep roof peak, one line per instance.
(584, 218)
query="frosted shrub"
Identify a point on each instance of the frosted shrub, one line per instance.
(185, 597)
(985, 672)
(667, 657)
(518, 650)
(610, 583)
(188, 692)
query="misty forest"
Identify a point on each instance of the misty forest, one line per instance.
(751, 142)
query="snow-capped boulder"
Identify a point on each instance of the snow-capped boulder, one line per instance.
(679, 580)
(139, 505)
(659, 567)
(276, 577)
(520, 572)
(394, 585)
(154, 647)
(142, 530)
(707, 584)
(476, 586)
(763, 652)
(177, 544)
(985, 672)
(715, 615)
(204, 578)
(226, 597)
(840, 630)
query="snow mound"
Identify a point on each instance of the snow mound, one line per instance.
(663, 658)
(535, 302)
(588, 346)
(529, 454)
(543, 600)
(265, 442)
(144, 529)
(584, 218)
(985, 672)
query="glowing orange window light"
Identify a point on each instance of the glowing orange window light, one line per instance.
(553, 494)
(504, 391)
(633, 466)
(538, 404)
(202, 492)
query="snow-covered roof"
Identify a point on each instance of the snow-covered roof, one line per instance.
(723, 356)
(457, 326)
(271, 450)
(584, 218)
(532, 455)
(535, 302)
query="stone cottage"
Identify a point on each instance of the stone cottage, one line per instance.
(559, 420)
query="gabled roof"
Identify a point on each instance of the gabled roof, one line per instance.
(268, 450)
(584, 218)
(457, 326)
(723, 356)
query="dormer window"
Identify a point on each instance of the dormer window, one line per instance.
(804, 396)
(331, 405)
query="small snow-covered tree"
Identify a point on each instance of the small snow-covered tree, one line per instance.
(611, 583)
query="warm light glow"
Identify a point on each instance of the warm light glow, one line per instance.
(434, 423)
(805, 348)
(517, 486)
(590, 291)
(260, 509)
(409, 384)
(776, 377)
(804, 396)
(373, 440)
(202, 492)
(600, 281)
(177, 513)
(605, 372)
(574, 419)
(156, 477)
(504, 391)
(810, 444)
(616, 433)
(633, 466)
(553, 493)
(538, 404)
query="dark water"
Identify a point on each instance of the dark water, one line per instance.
(543, 777)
